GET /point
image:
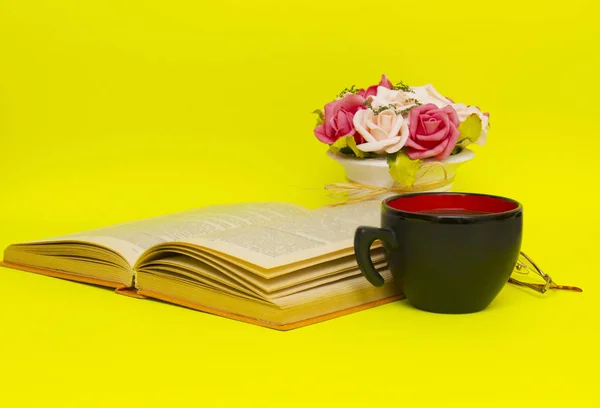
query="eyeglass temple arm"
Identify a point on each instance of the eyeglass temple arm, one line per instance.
(537, 286)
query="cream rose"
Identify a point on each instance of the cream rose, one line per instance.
(386, 131)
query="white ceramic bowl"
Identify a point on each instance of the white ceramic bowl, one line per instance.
(375, 171)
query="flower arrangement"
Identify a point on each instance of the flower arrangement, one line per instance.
(407, 125)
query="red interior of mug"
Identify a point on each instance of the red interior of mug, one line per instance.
(453, 203)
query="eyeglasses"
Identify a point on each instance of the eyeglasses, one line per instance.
(525, 265)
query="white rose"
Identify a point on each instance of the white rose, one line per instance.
(385, 97)
(384, 132)
(428, 94)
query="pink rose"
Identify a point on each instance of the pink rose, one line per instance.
(372, 90)
(433, 132)
(338, 119)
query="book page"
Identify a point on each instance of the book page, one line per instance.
(294, 239)
(134, 238)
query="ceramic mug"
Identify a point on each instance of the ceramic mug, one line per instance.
(449, 252)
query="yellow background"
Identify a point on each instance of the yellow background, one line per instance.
(117, 110)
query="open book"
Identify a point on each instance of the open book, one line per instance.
(277, 265)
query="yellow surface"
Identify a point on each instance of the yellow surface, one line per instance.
(116, 110)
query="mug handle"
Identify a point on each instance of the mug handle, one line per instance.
(363, 239)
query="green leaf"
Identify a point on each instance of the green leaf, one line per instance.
(457, 149)
(338, 145)
(403, 169)
(352, 145)
(470, 128)
(345, 143)
(321, 117)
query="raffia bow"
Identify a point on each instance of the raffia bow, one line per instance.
(357, 192)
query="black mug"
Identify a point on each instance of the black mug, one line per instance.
(449, 252)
